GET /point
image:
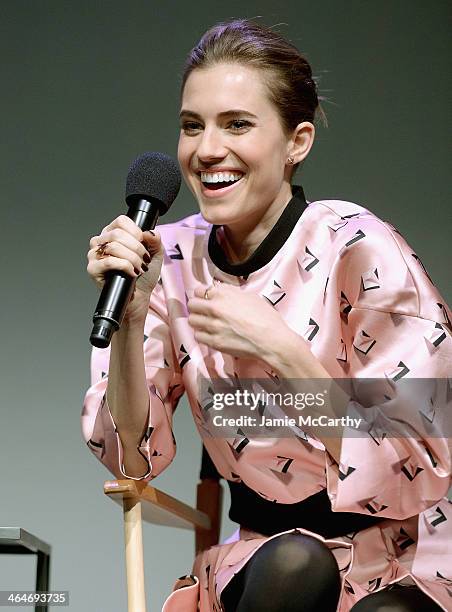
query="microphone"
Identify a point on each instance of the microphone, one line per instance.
(152, 184)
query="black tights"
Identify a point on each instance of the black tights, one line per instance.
(273, 578)
(397, 599)
(298, 573)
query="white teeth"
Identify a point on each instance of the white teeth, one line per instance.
(220, 177)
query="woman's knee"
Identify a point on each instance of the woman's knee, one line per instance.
(398, 599)
(304, 569)
(294, 553)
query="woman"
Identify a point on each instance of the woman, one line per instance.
(261, 285)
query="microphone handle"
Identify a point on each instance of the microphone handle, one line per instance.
(119, 286)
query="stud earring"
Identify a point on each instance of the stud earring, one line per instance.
(290, 160)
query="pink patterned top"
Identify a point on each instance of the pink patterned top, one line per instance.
(352, 287)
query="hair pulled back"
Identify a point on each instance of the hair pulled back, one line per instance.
(287, 74)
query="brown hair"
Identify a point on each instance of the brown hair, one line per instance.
(287, 73)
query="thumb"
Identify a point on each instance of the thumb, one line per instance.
(152, 241)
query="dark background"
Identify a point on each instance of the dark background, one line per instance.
(87, 86)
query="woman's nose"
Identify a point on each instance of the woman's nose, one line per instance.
(211, 145)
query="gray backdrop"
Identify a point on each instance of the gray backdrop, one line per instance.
(87, 86)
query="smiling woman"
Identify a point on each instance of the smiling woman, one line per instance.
(337, 508)
(238, 130)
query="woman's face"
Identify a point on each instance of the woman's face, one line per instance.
(232, 148)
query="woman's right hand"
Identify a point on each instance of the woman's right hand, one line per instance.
(128, 249)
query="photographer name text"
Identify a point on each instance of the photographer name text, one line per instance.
(299, 421)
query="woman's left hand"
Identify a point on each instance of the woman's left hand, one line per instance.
(246, 325)
(234, 322)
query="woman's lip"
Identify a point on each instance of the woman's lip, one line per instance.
(217, 170)
(217, 193)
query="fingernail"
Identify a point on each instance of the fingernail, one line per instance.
(146, 258)
(144, 267)
(137, 272)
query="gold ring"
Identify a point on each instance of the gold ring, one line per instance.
(206, 293)
(101, 250)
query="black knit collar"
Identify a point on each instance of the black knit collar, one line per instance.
(271, 244)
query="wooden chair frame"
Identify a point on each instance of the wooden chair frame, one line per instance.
(140, 501)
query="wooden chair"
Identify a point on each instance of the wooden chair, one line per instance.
(140, 501)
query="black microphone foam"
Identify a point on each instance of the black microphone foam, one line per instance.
(152, 184)
(153, 176)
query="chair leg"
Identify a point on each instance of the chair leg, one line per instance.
(134, 555)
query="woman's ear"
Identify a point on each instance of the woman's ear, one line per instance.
(301, 141)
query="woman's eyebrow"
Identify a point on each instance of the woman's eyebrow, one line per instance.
(228, 113)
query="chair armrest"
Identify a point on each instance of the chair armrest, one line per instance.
(159, 508)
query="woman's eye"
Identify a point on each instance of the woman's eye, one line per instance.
(191, 126)
(239, 124)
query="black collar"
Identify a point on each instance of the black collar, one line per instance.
(271, 244)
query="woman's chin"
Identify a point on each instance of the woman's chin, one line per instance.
(216, 214)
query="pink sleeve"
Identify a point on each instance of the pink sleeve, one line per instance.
(165, 387)
(396, 334)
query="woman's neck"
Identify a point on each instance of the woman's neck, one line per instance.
(239, 243)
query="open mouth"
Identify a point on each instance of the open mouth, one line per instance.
(213, 181)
